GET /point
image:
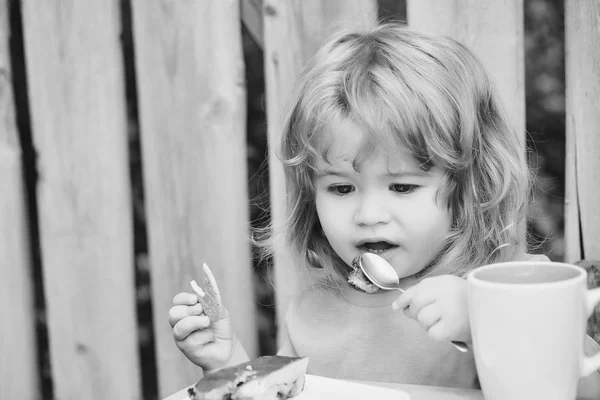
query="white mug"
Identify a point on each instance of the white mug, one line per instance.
(528, 324)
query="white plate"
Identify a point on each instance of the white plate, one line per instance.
(318, 387)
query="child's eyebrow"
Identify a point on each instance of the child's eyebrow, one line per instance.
(329, 172)
(412, 173)
(393, 174)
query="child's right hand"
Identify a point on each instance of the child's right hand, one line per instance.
(440, 304)
(208, 345)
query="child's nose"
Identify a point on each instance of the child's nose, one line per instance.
(371, 210)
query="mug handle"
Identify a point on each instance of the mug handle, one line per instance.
(591, 364)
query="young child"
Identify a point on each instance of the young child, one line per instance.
(395, 144)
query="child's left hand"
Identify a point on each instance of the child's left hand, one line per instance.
(440, 305)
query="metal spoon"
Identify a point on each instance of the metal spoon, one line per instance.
(383, 275)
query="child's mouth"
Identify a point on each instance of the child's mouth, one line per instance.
(376, 247)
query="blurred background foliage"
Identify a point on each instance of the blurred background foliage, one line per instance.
(545, 119)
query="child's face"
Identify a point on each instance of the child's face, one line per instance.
(387, 207)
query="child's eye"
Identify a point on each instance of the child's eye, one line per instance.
(403, 188)
(341, 189)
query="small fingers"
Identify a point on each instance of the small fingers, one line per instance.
(188, 325)
(438, 332)
(413, 304)
(405, 298)
(198, 339)
(428, 316)
(422, 299)
(185, 299)
(177, 313)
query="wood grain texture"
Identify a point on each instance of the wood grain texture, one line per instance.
(582, 46)
(571, 211)
(494, 31)
(18, 364)
(293, 31)
(77, 103)
(192, 99)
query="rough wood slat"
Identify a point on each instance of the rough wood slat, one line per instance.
(77, 103)
(293, 31)
(191, 90)
(572, 223)
(18, 362)
(491, 29)
(582, 45)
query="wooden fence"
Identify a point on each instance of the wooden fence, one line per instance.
(189, 76)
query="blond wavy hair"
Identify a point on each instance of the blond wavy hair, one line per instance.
(433, 98)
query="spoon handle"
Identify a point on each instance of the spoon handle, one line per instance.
(461, 346)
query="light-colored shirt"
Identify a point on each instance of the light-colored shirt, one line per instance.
(350, 337)
(356, 336)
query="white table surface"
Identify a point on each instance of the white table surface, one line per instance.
(416, 392)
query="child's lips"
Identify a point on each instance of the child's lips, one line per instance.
(377, 248)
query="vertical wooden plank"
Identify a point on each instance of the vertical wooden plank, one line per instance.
(77, 102)
(494, 31)
(572, 223)
(18, 364)
(582, 34)
(191, 91)
(293, 31)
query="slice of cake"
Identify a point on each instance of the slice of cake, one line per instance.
(209, 298)
(359, 281)
(267, 377)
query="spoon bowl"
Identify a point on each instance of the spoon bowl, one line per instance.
(379, 271)
(384, 276)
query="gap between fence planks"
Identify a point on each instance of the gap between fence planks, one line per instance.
(18, 361)
(192, 102)
(252, 18)
(293, 31)
(79, 128)
(582, 48)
